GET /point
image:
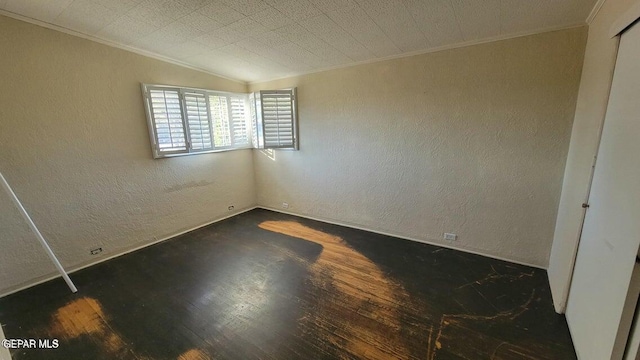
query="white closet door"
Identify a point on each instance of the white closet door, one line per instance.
(599, 300)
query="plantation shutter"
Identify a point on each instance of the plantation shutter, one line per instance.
(186, 120)
(220, 118)
(256, 121)
(278, 118)
(239, 123)
(168, 129)
(198, 120)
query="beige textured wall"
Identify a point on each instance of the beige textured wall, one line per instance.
(599, 62)
(74, 145)
(471, 141)
(4, 352)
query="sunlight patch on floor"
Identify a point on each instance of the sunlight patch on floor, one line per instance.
(355, 283)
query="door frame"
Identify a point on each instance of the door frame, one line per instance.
(628, 329)
(618, 27)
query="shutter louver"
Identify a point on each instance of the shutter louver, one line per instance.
(278, 118)
(167, 119)
(220, 119)
(198, 120)
(239, 121)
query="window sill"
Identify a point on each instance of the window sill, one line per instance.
(164, 156)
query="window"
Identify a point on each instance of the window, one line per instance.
(166, 114)
(187, 121)
(184, 121)
(273, 115)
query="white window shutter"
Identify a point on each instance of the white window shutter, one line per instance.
(166, 115)
(221, 122)
(256, 121)
(278, 118)
(200, 131)
(239, 123)
(187, 120)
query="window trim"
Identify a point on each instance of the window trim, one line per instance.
(151, 121)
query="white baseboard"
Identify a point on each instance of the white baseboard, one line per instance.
(329, 221)
(354, 226)
(123, 252)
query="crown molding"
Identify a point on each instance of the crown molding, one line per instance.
(163, 58)
(431, 50)
(114, 44)
(596, 9)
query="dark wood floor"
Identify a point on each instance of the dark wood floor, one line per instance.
(264, 285)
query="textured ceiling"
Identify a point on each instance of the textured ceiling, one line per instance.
(254, 40)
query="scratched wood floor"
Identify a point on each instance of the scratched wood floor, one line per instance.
(264, 285)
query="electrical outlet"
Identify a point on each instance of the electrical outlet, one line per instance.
(95, 251)
(450, 237)
(285, 205)
(231, 207)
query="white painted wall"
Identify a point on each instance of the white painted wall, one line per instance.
(471, 141)
(74, 146)
(599, 62)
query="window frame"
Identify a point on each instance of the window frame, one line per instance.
(152, 127)
(257, 119)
